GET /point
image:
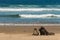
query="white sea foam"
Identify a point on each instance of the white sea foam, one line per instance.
(28, 9)
(40, 16)
(10, 24)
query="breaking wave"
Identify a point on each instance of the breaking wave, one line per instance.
(29, 9)
(40, 16)
(32, 16)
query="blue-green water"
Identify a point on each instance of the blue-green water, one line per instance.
(30, 2)
(48, 11)
(5, 18)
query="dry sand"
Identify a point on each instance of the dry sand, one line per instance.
(25, 33)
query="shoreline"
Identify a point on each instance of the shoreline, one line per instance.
(9, 28)
(19, 24)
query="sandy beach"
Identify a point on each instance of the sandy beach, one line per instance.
(13, 32)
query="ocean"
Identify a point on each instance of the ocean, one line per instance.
(30, 14)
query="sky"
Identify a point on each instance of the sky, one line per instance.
(31, 2)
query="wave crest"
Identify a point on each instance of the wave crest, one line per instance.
(41, 16)
(32, 16)
(29, 9)
(16, 15)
